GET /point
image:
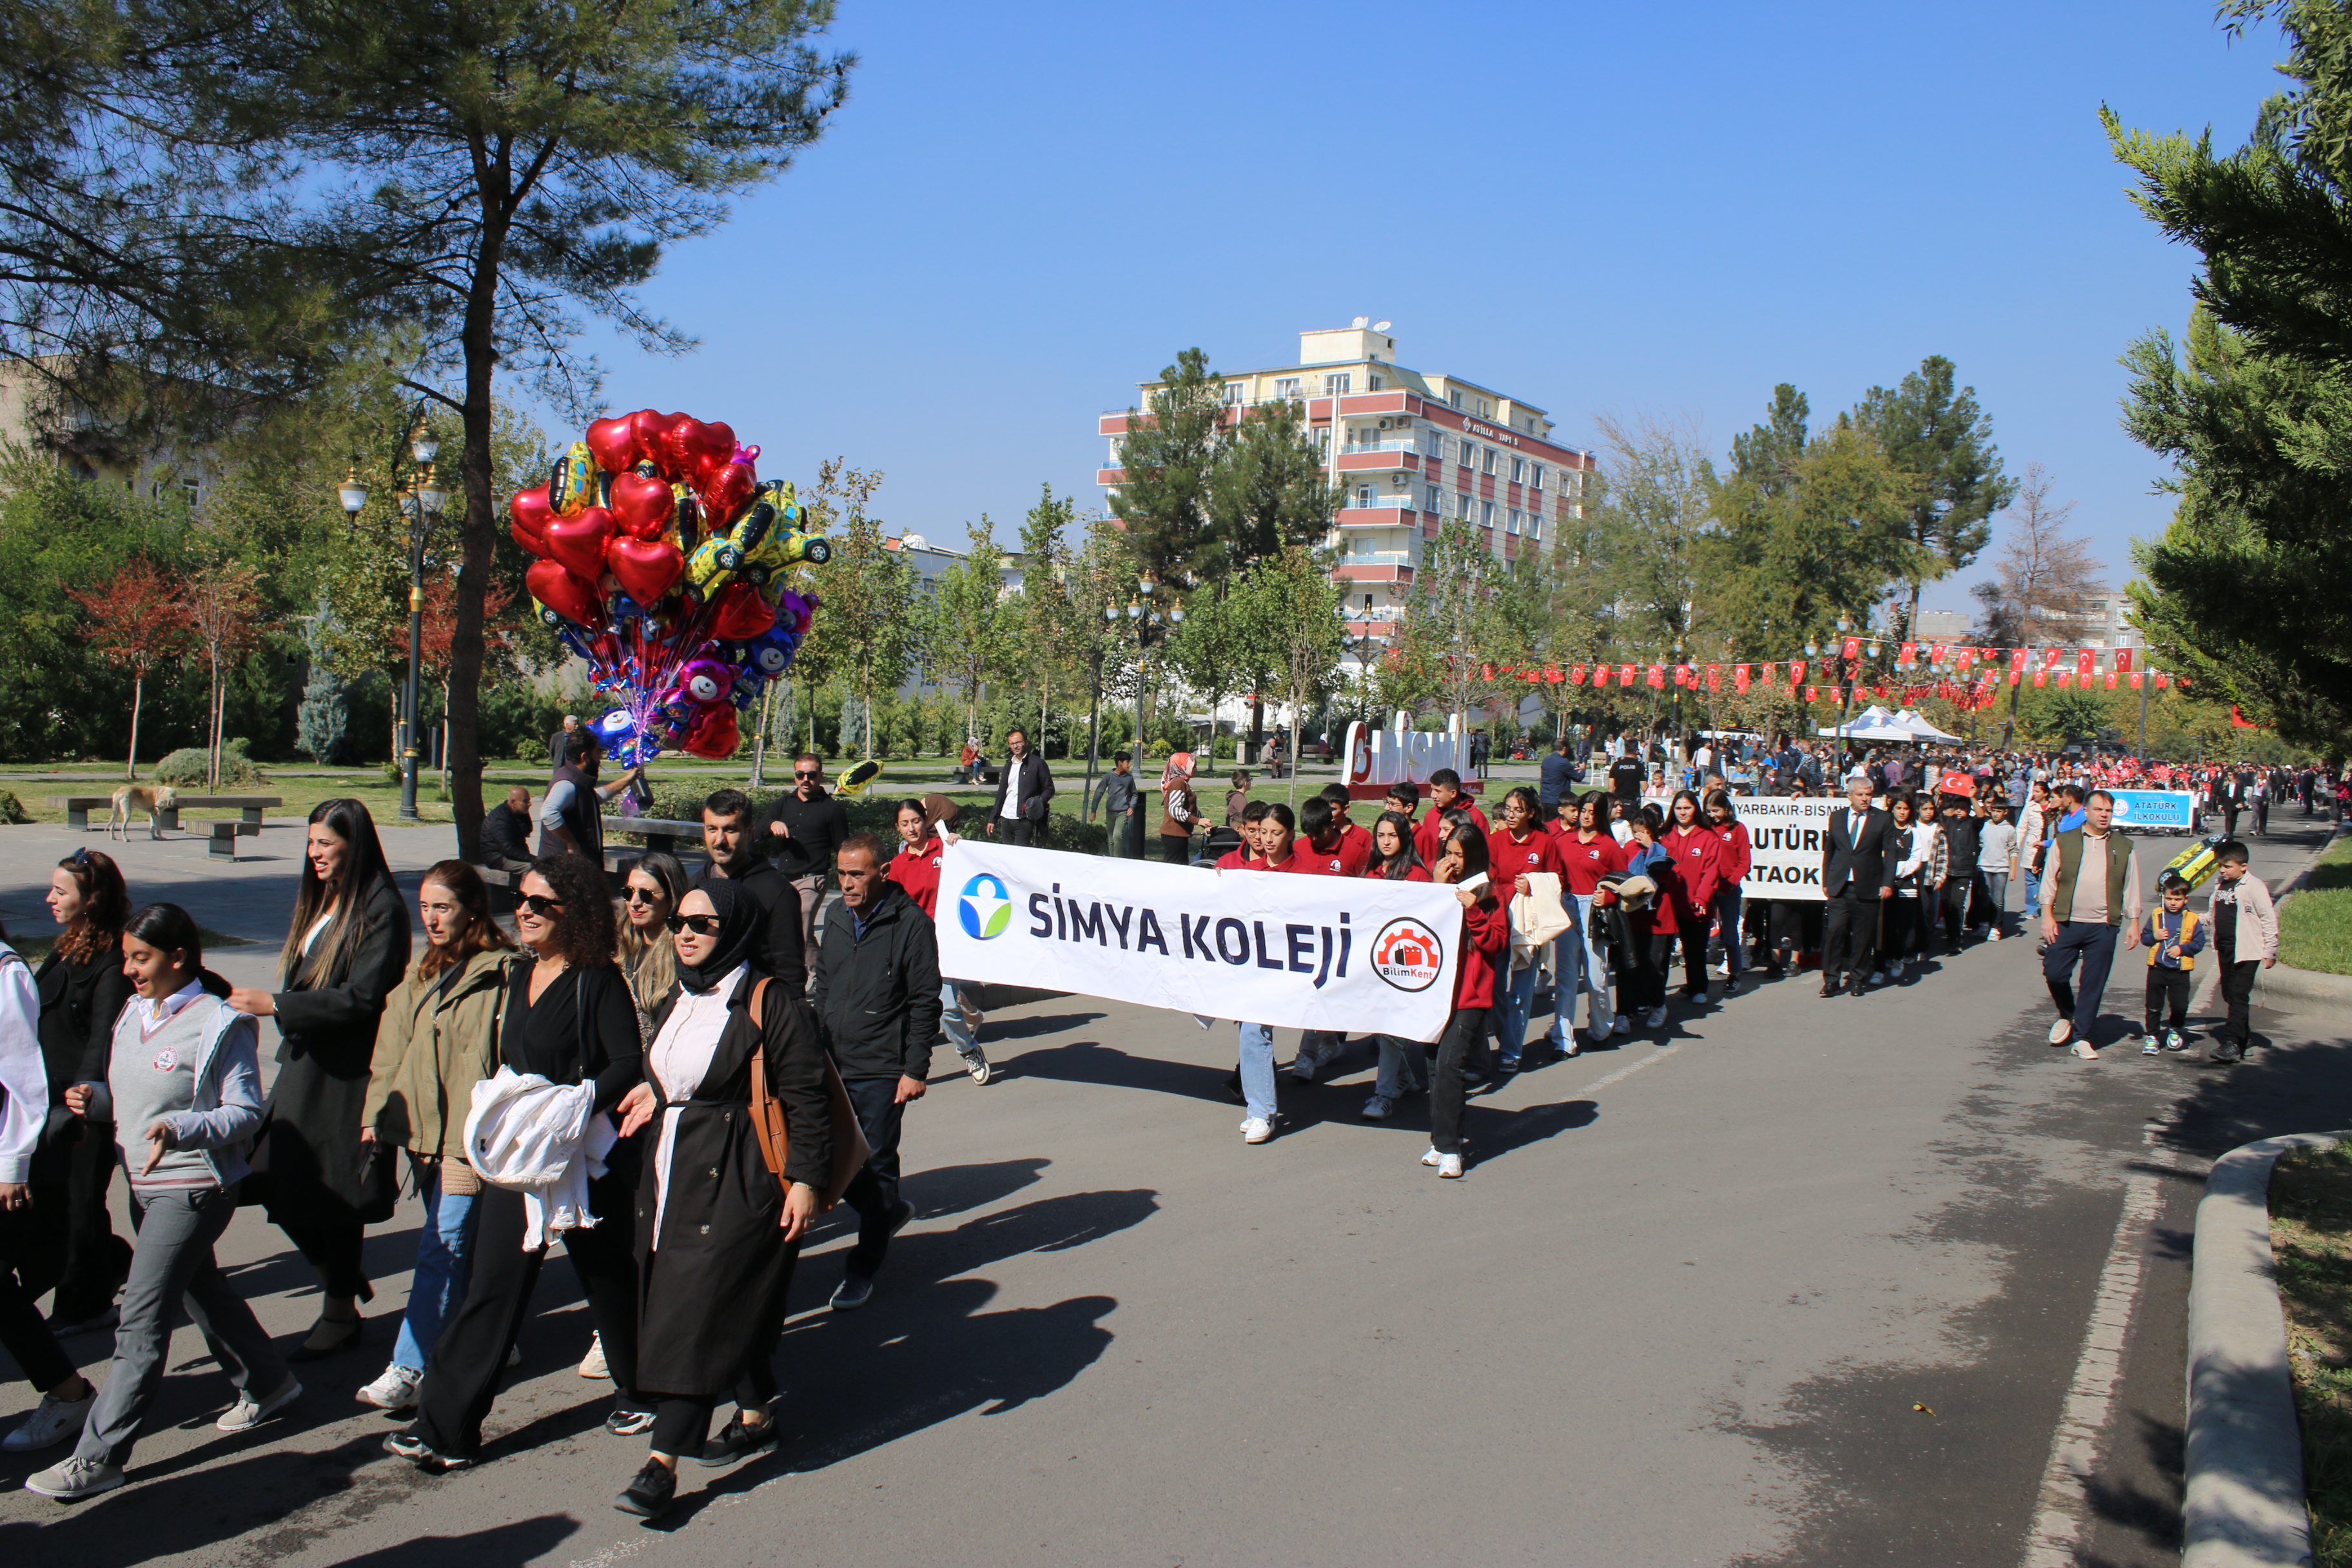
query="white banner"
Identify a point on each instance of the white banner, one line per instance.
(1784, 835)
(1308, 952)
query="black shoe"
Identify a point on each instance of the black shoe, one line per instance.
(648, 1496)
(900, 1216)
(1828, 986)
(2229, 1051)
(1233, 1088)
(416, 1451)
(1853, 987)
(852, 1293)
(736, 1441)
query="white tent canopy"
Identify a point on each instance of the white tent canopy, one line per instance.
(1922, 728)
(1873, 723)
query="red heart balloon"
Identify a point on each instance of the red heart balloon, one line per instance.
(644, 428)
(724, 493)
(739, 613)
(677, 447)
(577, 543)
(532, 513)
(646, 568)
(716, 446)
(560, 591)
(642, 503)
(612, 442)
(714, 734)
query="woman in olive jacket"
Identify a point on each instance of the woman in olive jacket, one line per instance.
(716, 1232)
(345, 952)
(440, 1037)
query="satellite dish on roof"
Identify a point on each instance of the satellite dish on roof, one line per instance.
(914, 542)
(1380, 326)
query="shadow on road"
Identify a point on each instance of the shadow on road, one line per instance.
(1090, 1062)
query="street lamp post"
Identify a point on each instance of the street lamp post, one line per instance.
(1151, 625)
(422, 504)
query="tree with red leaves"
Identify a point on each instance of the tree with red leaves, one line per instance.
(224, 608)
(137, 619)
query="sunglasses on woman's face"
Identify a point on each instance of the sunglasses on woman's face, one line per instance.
(644, 896)
(537, 907)
(700, 925)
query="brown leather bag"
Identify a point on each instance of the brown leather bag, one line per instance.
(850, 1149)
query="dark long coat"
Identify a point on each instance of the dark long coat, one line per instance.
(710, 1298)
(326, 1049)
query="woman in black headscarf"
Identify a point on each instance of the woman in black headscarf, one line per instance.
(717, 1231)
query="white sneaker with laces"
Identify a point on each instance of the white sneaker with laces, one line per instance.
(248, 1412)
(1657, 1018)
(1432, 1157)
(395, 1390)
(2085, 1049)
(2061, 1030)
(1257, 1129)
(75, 1480)
(52, 1422)
(1449, 1165)
(593, 1365)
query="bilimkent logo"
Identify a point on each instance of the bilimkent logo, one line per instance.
(984, 907)
(1407, 953)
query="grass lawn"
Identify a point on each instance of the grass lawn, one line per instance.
(34, 949)
(2315, 925)
(2311, 1238)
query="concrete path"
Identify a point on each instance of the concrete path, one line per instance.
(1796, 1281)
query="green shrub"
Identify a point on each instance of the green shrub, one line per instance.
(186, 768)
(12, 810)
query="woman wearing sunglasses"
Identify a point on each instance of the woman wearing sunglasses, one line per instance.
(648, 899)
(567, 1018)
(345, 952)
(440, 1037)
(715, 1228)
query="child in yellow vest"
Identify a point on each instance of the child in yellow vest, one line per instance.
(2173, 936)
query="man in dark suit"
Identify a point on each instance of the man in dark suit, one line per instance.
(1858, 863)
(1021, 795)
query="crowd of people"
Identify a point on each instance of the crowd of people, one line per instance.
(675, 1083)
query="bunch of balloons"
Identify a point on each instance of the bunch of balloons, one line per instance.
(662, 561)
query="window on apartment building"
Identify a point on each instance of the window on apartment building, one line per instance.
(1286, 388)
(1534, 525)
(1511, 520)
(1536, 480)
(1454, 398)
(1429, 498)
(1487, 514)
(1486, 409)
(1463, 507)
(1372, 381)
(1519, 470)
(1492, 463)
(1337, 385)
(1323, 440)
(1234, 393)
(1363, 495)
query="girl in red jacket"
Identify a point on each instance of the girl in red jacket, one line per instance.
(1732, 858)
(1696, 850)
(1485, 930)
(924, 829)
(1521, 848)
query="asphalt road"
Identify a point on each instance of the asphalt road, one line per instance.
(1685, 1309)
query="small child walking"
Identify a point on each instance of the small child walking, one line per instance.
(2174, 936)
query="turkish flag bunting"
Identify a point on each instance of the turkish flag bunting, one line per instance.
(1812, 693)
(1967, 657)
(2041, 678)
(2016, 661)
(1624, 675)
(2087, 661)
(1880, 691)
(1740, 677)
(2050, 658)
(1939, 653)
(1657, 677)
(1714, 677)
(1797, 673)
(2134, 680)
(2015, 676)
(1772, 673)
(1910, 652)
(1683, 676)
(2124, 660)
(1987, 655)
(2162, 681)
(1853, 647)
(2066, 679)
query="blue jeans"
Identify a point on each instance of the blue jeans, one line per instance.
(1397, 1076)
(444, 1261)
(1725, 904)
(1514, 995)
(1577, 961)
(1257, 1070)
(954, 1019)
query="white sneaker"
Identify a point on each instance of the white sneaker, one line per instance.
(2061, 1030)
(593, 1363)
(1432, 1158)
(75, 1480)
(1257, 1129)
(51, 1423)
(2085, 1049)
(1449, 1165)
(1657, 1018)
(1993, 936)
(394, 1391)
(1379, 1108)
(248, 1412)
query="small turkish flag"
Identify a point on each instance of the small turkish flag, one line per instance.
(1740, 677)
(2085, 662)
(2134, 680)
(1812, 693)
(1714, 677)
(1853, 647)
(1910, 652)
(2124, 660)
(1797, 674)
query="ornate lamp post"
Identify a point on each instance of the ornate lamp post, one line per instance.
(1152, 625)
(421, 503)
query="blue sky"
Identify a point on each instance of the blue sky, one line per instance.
(1023, 210)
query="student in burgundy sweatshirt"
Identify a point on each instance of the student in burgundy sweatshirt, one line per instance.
(1485, 930)
(1733, 855)
(1695, 848)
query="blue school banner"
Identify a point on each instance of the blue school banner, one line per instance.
(2155, 810)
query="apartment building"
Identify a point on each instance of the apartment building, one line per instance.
(1414, 450)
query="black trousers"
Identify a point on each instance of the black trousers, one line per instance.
(1849, 931)
(32, 1255)
(2238, 993)
(334, 1250)
(1176, 848)
(2169, 989)
(1956, 906)
(1692, 938)
(1016, 830)
(1642, 981)
(462, 1372)
(874, 1192)
(1447, 1094)
(96, 1260)
(1902, 933)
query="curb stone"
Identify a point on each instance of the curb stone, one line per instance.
(2244, 1505)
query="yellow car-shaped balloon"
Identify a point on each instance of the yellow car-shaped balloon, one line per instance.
(763, 544)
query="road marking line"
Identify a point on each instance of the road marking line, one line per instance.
(2062, 1511)
(1630, 1069)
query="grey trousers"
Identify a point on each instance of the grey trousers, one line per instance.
(172, 1264)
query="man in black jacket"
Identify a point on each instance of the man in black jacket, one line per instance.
(1858, 862)
(1022, 793)
(727, 834)
(877, 995)
(807, 825)
(506, 834)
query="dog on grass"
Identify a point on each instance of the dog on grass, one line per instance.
(132, 798)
